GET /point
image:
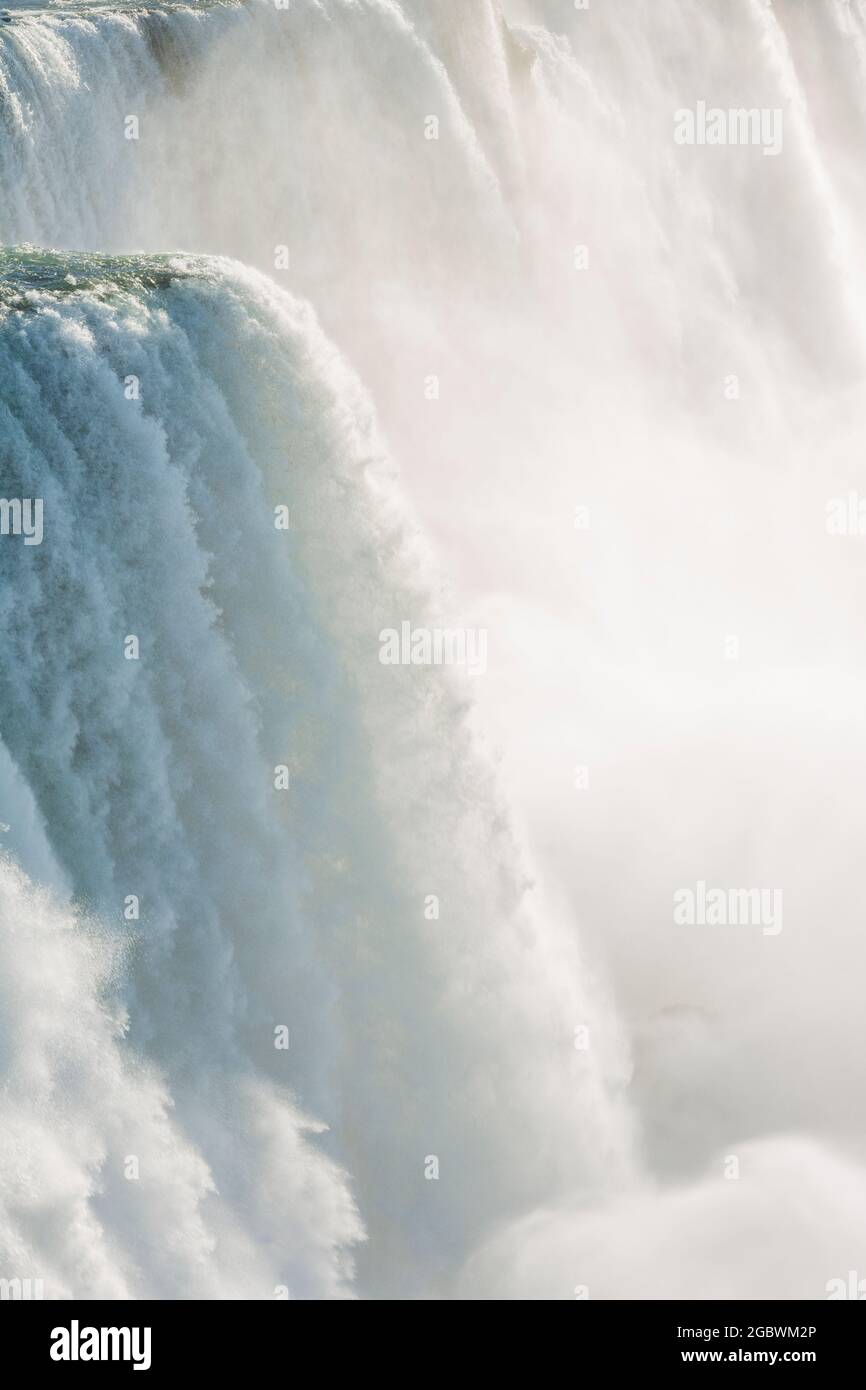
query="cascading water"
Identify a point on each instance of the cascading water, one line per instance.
(260, 907)
(229, 834)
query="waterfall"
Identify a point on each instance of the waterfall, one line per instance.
(293, 301)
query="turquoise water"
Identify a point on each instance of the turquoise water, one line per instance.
(58, 7)
(26, 269)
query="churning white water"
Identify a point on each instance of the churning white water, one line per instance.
(434, 281)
